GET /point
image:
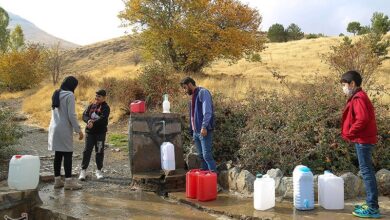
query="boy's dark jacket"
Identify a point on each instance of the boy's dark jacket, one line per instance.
(99, 125)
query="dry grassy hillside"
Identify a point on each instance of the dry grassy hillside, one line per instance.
(100, 56)
(113, 58)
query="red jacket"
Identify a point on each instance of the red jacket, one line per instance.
(358, 124)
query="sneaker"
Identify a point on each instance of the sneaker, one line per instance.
(99, 174)
(362, 206)
(367, 213)
(83, 175)
(58, 183)
(71, 184)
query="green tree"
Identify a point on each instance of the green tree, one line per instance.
(191, 34)
(4, 32)
(294, 32)
(16, 40)
(380, 23)
(364, 30)
(276, 33)
(354, 27)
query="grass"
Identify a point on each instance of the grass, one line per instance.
(118, 141)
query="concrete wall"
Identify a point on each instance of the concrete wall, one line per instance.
(146, 136)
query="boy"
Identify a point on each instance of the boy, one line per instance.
(96, 117)
(359, 127)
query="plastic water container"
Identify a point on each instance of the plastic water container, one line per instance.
(167, 156)
(330, 191)
(192, 183)
(23, 172)
(207, 186)
(138, 106)
(303, 182)
(166, 104)
(264, 192)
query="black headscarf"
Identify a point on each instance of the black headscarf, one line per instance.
(69, 84)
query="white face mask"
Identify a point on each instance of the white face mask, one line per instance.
(347, 91)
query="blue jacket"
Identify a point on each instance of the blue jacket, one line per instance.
(203, 111)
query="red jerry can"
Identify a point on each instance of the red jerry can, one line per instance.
(138, 106)
(207, 186)
(191, 183)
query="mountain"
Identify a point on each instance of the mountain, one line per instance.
(33, 34)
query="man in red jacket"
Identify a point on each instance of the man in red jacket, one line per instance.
(359, 127)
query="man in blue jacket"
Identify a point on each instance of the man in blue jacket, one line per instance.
(201, 121)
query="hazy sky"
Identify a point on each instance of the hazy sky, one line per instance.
(88, 21)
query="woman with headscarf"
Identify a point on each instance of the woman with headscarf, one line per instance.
(63, 123)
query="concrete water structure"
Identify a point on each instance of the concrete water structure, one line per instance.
(147, 132)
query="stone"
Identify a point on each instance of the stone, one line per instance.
(223, 179)
(232, 178)
(245, 181)
(229, 165)
(383, 181)
(286, 188)
(221, 167)
(46, 177)
(193, 161)
(19, 117)
(277, 175)
(352, 184)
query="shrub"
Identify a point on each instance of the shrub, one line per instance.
(229, 118)
(157, 80)
(122, 91)
(303, 127)
(10, 132)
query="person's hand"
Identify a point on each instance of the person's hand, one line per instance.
(90, 124)
(203, 132)
(81, 135)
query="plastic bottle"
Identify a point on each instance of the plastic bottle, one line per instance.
(166, 104)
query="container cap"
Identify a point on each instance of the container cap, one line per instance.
(18, 156)
(305, 169)
(327, 172)
(259, 175)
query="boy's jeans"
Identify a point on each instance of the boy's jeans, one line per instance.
(363, 152)
(204, 147)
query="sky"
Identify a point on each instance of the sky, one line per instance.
(89, 21)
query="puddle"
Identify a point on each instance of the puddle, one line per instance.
(115, 204)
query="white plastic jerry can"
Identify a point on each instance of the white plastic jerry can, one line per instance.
(167, 156)
(23, 172)
(303, 182)
(264, 192)
(330, 191)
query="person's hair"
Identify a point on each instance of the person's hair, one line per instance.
(187, 81)
(350, 76)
